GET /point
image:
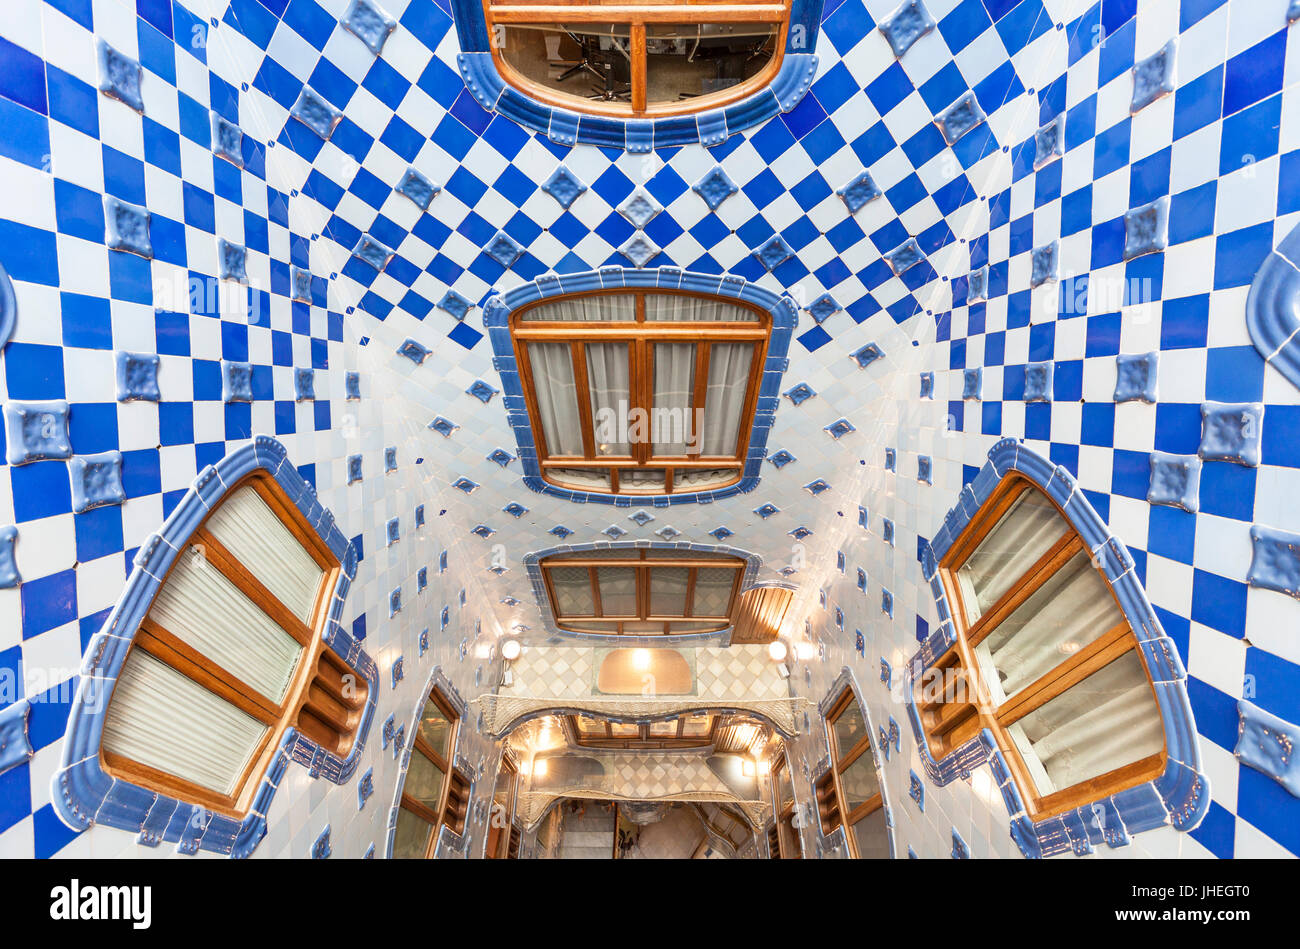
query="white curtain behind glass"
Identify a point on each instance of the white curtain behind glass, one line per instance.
(557, 397)
(161, 719)
(660, 307)
(1007, 552)
(250, 530)
(1104, 722)
(610, 385)
(673, 421)
(1069, 611)
(728, 384)
(203, 609)
(597, 308)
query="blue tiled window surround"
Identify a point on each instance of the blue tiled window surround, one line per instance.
(723, 638)
(638, 135)
(1180, 796)
(838, 838)
(84, 794)
(449, 842)
(496, 318)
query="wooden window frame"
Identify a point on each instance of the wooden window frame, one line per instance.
(781, 831)
(644, 741)
(499, 838)
(641, 335)
(841, 760)
(949, 724)
(450, 775)
(644, 567)
(317, 700)
(499, 15)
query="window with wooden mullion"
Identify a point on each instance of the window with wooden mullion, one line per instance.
(853, 771)
(229, 648)
(1045, 658)
(428, 779)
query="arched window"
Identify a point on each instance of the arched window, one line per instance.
(1045, 658)
(638, 59)
(641, 392)
(848, 795)
(229, 656)
(223, 660)
(642, 591)
(434, 794)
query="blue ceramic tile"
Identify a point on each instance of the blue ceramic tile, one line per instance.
(1267, 744)
(127, 227)
(564, 186)
(972, 382)
(36, 431)
(137, 377)
(1146, 229)
(823, 308)
(369, 22)
(978, 284)
(304, 385)
(299, 284)
(372, 252)
(640, 250)
(1135, 377)
(908, 24)
(1038, 382)
(773, 252)
(119, 76)
(1175, 481)
(1153, 77)
(1275, 560)
(640, 208)
(352, 386)
(715, 187)
(96, 480)
(227, 140)
(868, 354)
(455, 304)
(905, 256)
(15, 746)
(236, 381)
(418, 188)
(858, 192)
(315, 113)
(960, 117)
(444, 427)
(481, 391)
(1045, 264)
(799, 394)
(232, 261)
(839, 428)
(1231, 432)
(1049, 142)
(9, 575)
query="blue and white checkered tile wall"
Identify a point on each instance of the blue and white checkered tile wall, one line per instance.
(330, 130)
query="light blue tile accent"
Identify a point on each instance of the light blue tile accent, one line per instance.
(15, 746)
(715, 187)
(370, 23)
(9, 575)
(1275, 560)
(372, 252)
(640, 208)
(564, 186)
(1049, 142)
(960, 117)
(1135, 377)
(418, 188)
(236, 381)
(227, 140)
(232, 261)
(1268, 744)
(36, 431)
(127, 227)
(1153, 77)
(904, 257)
(119, 76)
(858, 192)
(137, 377)
(315, 113)
(906, 25)
(96, 480)
(1146, 229)
(1231, 431)
(1045, 262)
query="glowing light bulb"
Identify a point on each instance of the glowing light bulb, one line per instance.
(641, 659)
(510, 650)
(776, 650)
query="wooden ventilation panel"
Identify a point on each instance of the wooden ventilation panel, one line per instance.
(512, 848)
(828, 803)
(333, 705)
(453, 814)
(759, 614)
(774, 841)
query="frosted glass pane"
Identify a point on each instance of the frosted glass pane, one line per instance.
(556, 392)
(1016, 543)
(724, 402)
(250, 530)
(713, 587)
(423, 781)
(412, 836)
(572, 586)
(617, 591)
(435, 729)
(673, 307)
(592, 308)
(668, 591)
(203, 609)
(849, 728)
(859, 781)
(159, 718)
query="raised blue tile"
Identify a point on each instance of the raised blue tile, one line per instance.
(8, 307)
(9, 575)
(640, 250)
(1175, 481)
(1268, 744)
(119, 76)
(236, 381)
(372, 252)
(640, 208)
(1153, 77)
(315, 113)
(858, 192)
(715, 187)
(413, 351)
(960, 117)
(972, 382)
(866, 355)
(481, 391)
(36, 431)
(1038, 382)
(227, 140)
(370, 23)
(232, 261)
(721, 533)
(299, 283)
(126, 227)
(564, 186)
(905, 256)
(352, 386)
(455, 304)
(1045, 264)
(773, 252)
(978, 285)
(1049, 142)
(418, 188)
(906, 25)
(1146, 229)
(96, 480)
(137, 377)
(1231, 431)
(839, 428)
(15, 746)
(1275, 560)
(800, 393)
(823, 308)
(444, 427)
(504, 249)
(304, 384)
(1135, 377)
